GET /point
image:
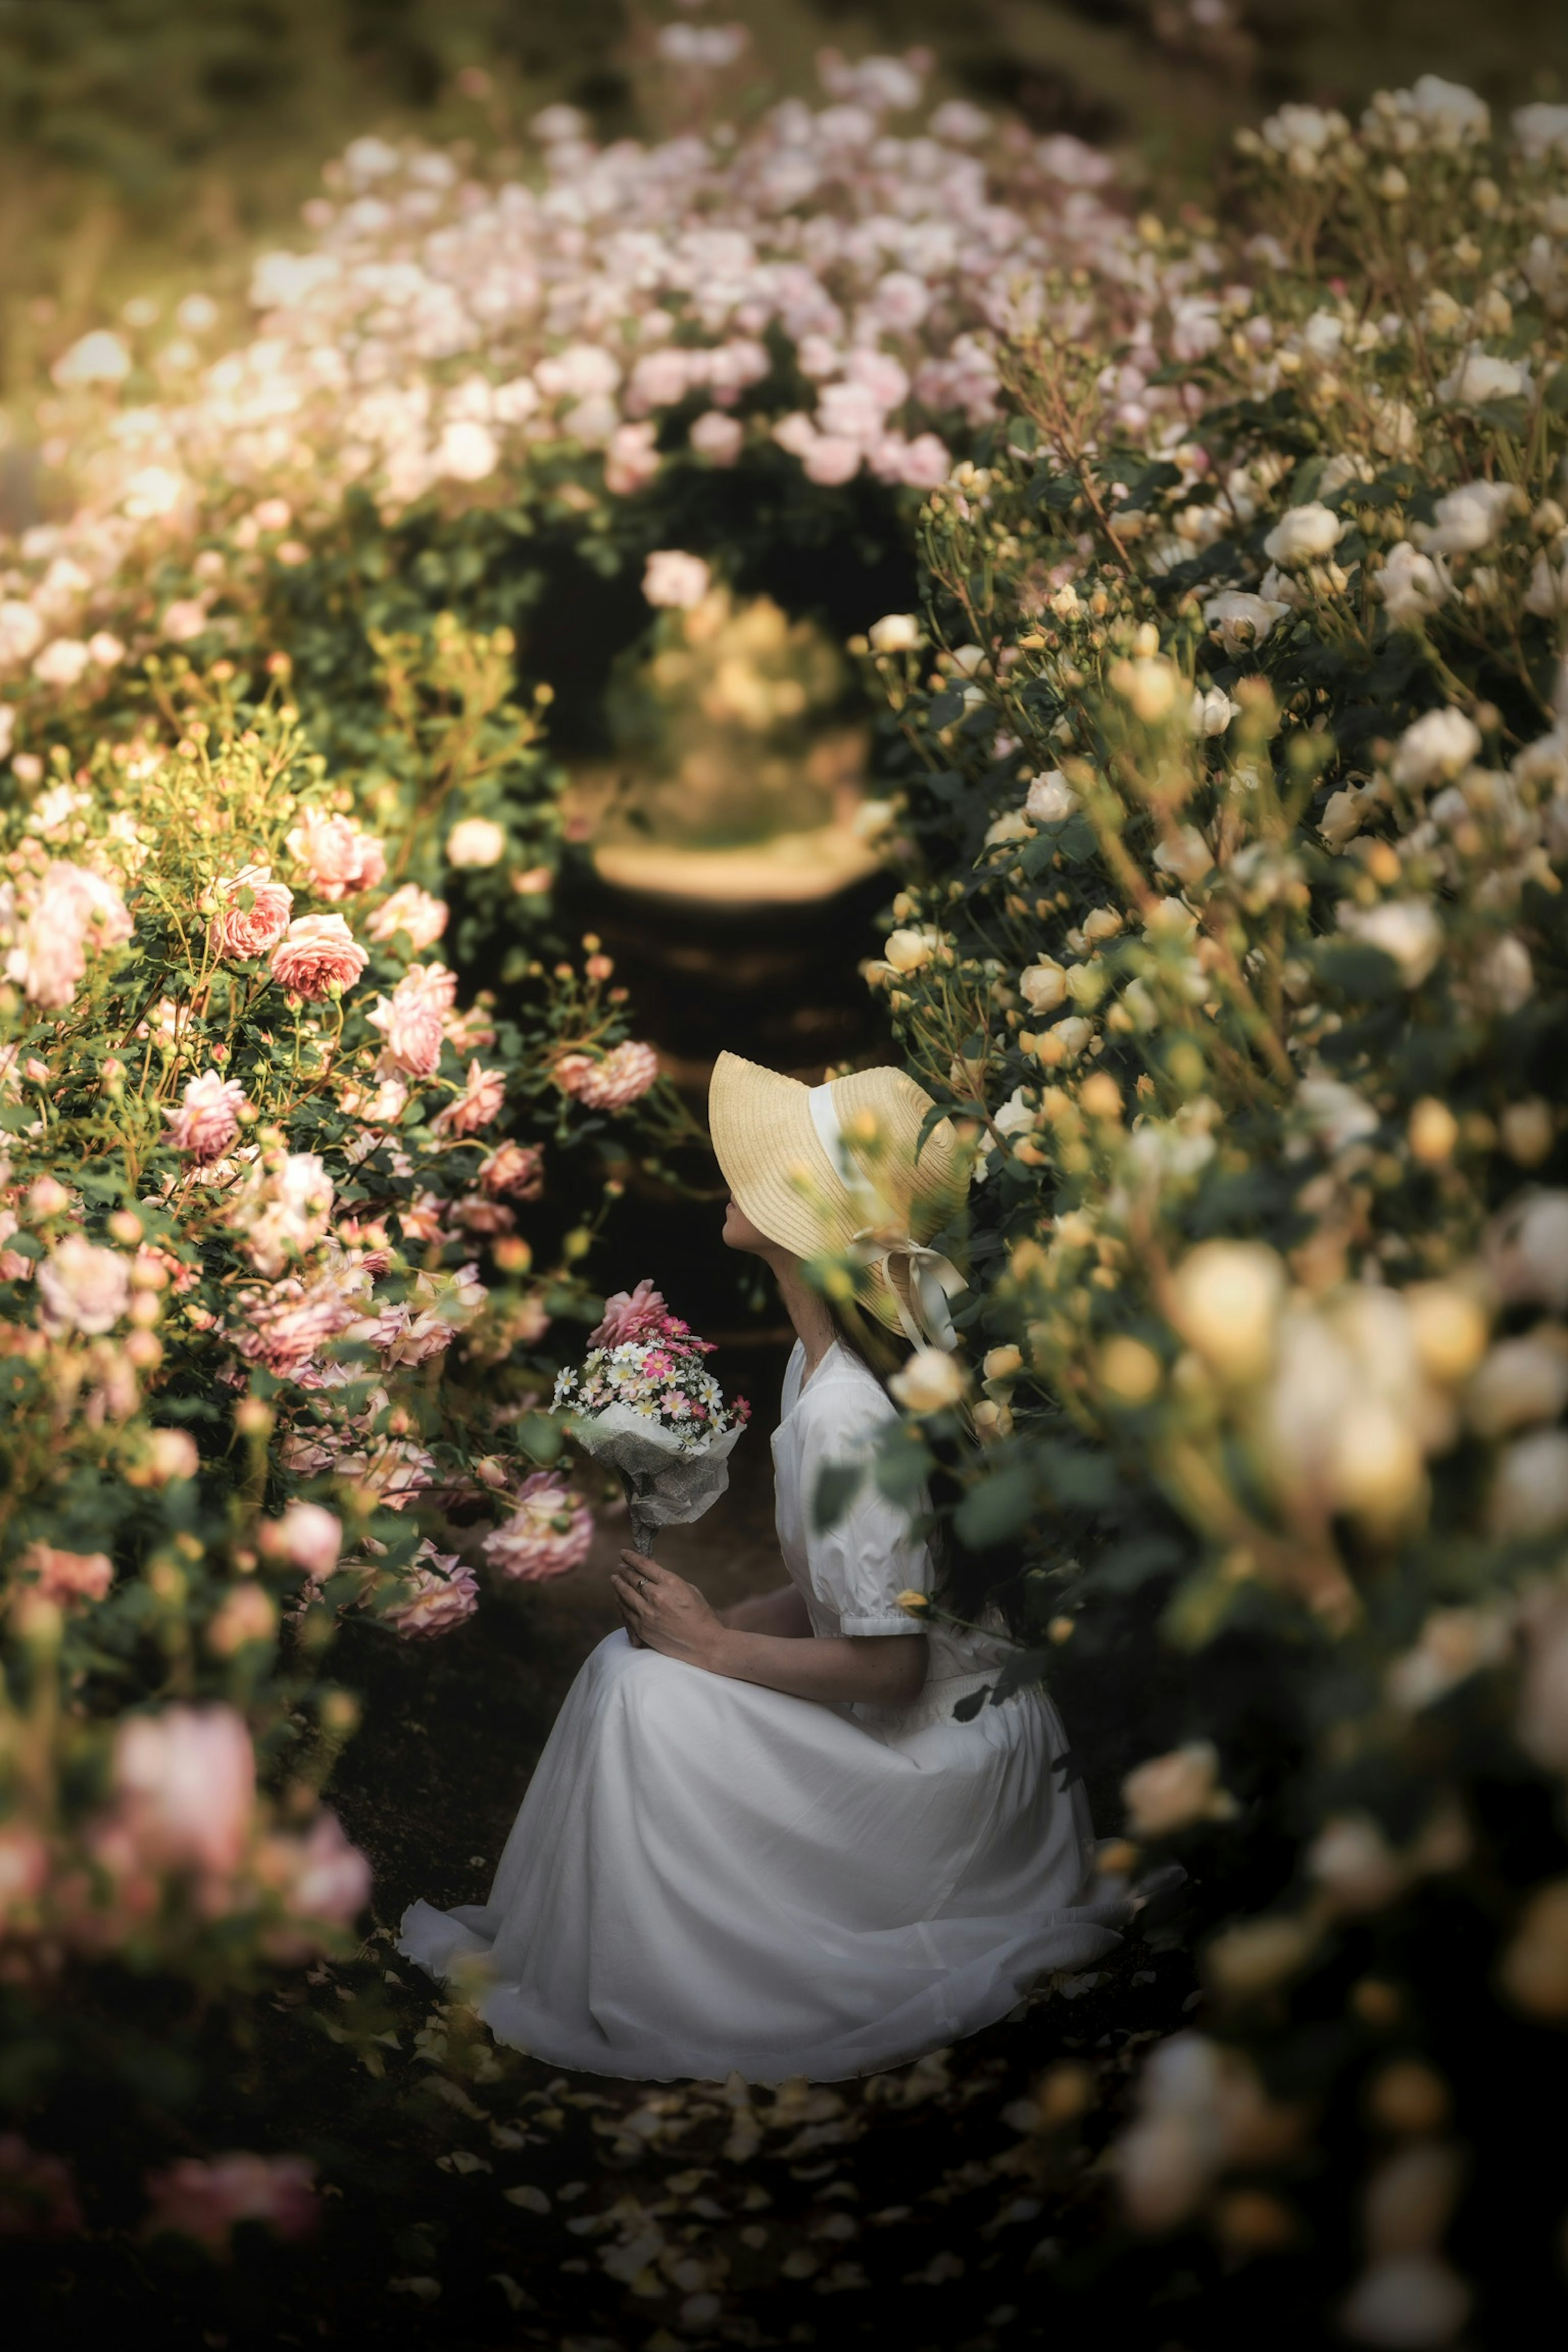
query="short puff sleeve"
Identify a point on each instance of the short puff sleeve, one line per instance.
(859, 1566)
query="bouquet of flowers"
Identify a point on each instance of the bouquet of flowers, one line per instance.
(644, 1403)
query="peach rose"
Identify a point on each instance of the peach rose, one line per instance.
(319, 954)
(67, 1577)
(209, 1117)
(238, 932)
(413, 1018)
(622, 1076)
(412, 911)
(484, 1092)
(336, 855)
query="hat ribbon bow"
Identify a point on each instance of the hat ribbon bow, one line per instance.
(932, 1281)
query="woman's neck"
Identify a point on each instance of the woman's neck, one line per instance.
(807, 1310)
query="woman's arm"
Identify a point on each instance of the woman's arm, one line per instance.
(782, 1612)
(664, 1612)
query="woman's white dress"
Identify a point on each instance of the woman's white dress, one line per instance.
(706, 1876)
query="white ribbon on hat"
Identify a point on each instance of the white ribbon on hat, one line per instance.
(933, 1278)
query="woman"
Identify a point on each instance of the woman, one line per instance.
(758, 1840)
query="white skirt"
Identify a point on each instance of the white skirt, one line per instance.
(708, 1878)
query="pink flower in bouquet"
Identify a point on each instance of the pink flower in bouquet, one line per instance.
(37, 2195)
(204, 2201)
(514, 1172)
(185, 1784)
(412, 911)
(237, 932)
(337, 857)
(483, 1094)
(320, 953)
(438, 1593)
(551, 1531)
(413, 1018)
(308, 1536)
(639, 1314)
(67, 1578)
(83, 1287)
(209, 1117)
(623, 1075)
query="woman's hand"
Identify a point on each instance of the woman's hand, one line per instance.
(662, 1611)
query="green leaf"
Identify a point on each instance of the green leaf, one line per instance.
(837, 1488)
(997, 1510)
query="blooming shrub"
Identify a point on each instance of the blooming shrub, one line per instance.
(1235, 743)
(268, 1324)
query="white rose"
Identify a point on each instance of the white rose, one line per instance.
(1522, 1381)
(1050, 800)
(1226, 1301)
(1303, 534)
(1242, 621)
(1408, 929)
(1334, 1113)
(1438, 745)
(1527, 1250)
(1467, 518)
(895, 632)
(1529, 1493)
(1480, 378)
(62, 662)
(1212, 712)
(929, 1382)
(1044, 985)
(467, 451)
(475, 840)
(912, 946)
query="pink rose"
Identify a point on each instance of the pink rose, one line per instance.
(196, 2199)
(551, 1530)
(38, 2196)
(639, 1314)
(83, 1287)
(67, 1577)
(412, 911)
(631, 460)
(239, 931)
(186, 1783)
(514, 1172)
(307, 1536)
(282, 1211)
(320, 953)
(674, 579)
(286, 1327)
(438, 1592)
(337, 857)
(413, 1018)
(620, 1077)
(483, 1097)
(209, 1117)
(323, 1880)
(73, 910)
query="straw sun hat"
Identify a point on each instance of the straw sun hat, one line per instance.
(840, 1171)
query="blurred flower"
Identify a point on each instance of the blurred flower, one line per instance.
(1411, 586)
(675, 580)
(209, 1117)
(413, 1018)
(1530, 1487)
(83, 1287)
(96, 358)
(1535, 1967)
(1455, 1643)
(1526, 1250)
(514, 1172)
(205, 2200)
(897, 633)
(421, 918)
(1480, 378)
(551, 1531)
(67, 1578)
(282, 1211)
(1172, 1791)
(476, 842)
(339, 859)
(1226, 1298)
(1408, 930)
(929, 1381)
(185, 1782)
(308, 1536)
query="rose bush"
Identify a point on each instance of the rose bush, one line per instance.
(1234, 745)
